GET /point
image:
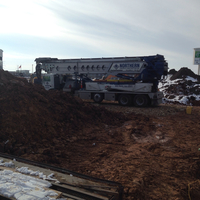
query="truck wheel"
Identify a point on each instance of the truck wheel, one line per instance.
(140, 100)
(98, 97)
(124, 100)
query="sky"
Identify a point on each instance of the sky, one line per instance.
(98, 28)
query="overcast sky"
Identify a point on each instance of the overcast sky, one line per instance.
(98, 28)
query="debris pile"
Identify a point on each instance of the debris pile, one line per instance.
(181, 87)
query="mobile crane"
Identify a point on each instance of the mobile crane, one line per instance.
(128, 80)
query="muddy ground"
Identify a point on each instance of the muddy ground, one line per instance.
(153, 152)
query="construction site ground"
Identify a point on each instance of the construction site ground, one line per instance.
(153, 152)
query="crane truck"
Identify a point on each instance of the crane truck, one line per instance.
(128, 80)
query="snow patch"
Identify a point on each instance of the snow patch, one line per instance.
(181, 90)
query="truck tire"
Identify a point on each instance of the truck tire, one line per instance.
(140, 100)
(124, 100)
(98, 97)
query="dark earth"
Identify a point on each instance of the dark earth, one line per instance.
(153, 152)
(182, 88)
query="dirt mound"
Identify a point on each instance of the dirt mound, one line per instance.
(183, 73)
(183, 87)
(31, 117)
(172, 71)
(186, 93)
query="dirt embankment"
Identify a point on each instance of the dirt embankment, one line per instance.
(153, 152)
(31, 117)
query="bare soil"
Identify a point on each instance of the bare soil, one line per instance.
(153, 152)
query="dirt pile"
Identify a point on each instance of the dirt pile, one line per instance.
(33, 119)
(172, 71)
(182, 87)
(183, 73)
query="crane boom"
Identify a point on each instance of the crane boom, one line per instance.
(149, 65)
